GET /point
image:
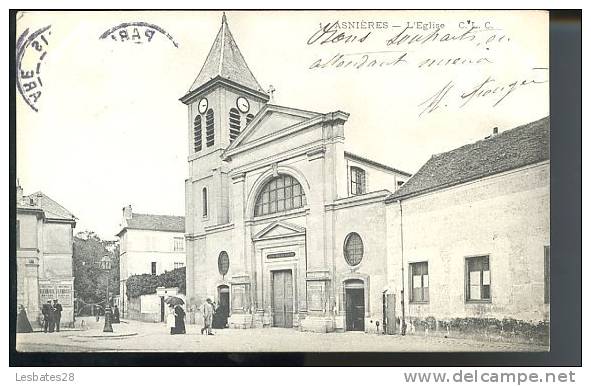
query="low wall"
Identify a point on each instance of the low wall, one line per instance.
(486, 329)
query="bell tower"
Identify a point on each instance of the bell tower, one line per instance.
(221, 102)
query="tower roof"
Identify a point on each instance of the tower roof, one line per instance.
(226, 61)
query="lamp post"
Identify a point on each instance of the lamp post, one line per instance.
(105, 265)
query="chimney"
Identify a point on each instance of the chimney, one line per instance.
(494, 133)
(19, 192)
(127, 213)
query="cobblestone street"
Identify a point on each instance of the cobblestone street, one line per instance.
(138, 336)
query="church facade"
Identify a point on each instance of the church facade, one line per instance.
(284, 228)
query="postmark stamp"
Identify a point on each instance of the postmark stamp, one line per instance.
(137, 32)
(31, 50)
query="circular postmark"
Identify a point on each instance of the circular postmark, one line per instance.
(31, 50)
(137, 32)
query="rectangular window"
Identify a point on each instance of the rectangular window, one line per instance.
(204, 203)
(153, 268)
(477, 279)
(179, 244)
(419, 282)
(546, 274)
(178, 265)
(357, 180)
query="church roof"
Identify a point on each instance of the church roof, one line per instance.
(226, 61)
(511, 149)
(51, 209)
(156, 222)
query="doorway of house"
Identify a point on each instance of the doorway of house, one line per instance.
(355, 305)
(282, 299)
(223, 310)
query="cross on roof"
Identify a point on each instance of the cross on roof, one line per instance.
(270, 91)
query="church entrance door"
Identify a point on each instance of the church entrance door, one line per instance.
(223, 310)
(282, 299)
(355, 305)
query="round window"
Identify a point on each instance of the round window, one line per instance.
(223, 263)
(353, 249)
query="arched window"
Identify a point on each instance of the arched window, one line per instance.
(204, 198)
(353, 249)
(234, 124)
(223, 263)
(197, 132)
(209, 133)
(280, 194)
(249, 118)
(357, 180)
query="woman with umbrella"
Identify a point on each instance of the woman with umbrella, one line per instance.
(179, 314)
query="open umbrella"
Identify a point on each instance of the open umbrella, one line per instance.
(174, 300)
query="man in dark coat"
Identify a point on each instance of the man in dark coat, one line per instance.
(47, 311)
(57, 314)
(115, 315)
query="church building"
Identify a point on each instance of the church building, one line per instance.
(284, 228)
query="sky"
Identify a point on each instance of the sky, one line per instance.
(110, 130)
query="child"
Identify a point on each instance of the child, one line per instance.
(170, 320)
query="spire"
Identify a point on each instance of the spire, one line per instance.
(226, 60)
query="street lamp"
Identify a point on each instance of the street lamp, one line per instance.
(105, 265)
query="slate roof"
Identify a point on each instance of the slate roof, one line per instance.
(156, 222)
(225, 60)
(50, 208)
(511, 149)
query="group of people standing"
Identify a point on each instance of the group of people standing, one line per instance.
(176, 320)
(52, 314)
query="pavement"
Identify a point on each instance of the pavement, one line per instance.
(135, 336)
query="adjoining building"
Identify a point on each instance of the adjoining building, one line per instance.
(44, 248)
(149, 244)
(287, 229)
(471, 230)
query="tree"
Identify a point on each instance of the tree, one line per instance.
(89, 280)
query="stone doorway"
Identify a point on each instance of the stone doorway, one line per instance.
(282, 298)
(355, 305)
(223, 310)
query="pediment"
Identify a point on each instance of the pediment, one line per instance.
(279, 229)
(269, 121)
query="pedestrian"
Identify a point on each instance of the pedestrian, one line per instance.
(22, 321)
(170, 320)
(179, 319)
(207, 311)
(57, 314)
(116, 315)
(51, 316)
(97, 308)
(46, 312)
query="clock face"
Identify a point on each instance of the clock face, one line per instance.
(242, 104)
(202, 105)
